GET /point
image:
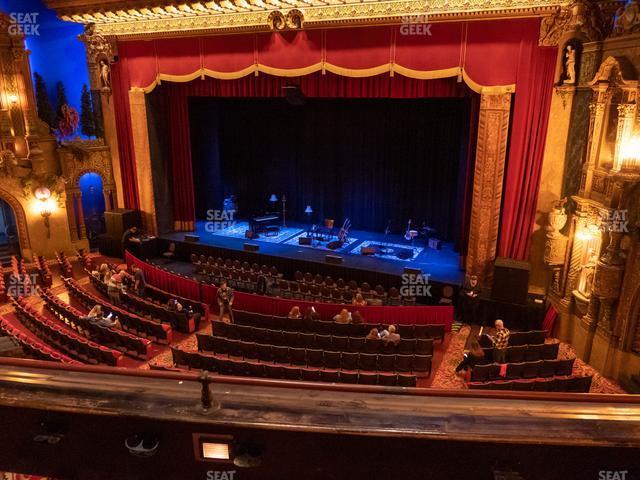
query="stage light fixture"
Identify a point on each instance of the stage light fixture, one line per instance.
(273, 198)
(308, 210)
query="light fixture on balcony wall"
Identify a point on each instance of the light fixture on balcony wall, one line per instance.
(630, 153)
(13, 99)
(43, 195)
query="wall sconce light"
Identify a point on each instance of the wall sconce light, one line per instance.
(588, 233)
(43, 195)
(630, 152)
(13, 99)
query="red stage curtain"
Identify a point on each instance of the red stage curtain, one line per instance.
(536, 69)
(313, 85)
(120, 86)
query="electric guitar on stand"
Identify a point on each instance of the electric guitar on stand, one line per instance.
(410, 234)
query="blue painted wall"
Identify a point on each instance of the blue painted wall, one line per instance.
(56, 53)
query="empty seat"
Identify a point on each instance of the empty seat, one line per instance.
(564, 367)
(372, 345)
(406, 345)
(330, 376)
(406, 380)
(550, 351)
(405, 331)
(368, 361)
(273, 371)
(356, 344)
(548, 368)
(387, 379)
(404, 363)
(515, 370)
(531, 369)
(350, 360)
(516, 354)
(280, 353)
(265, 352)
(386, 363)
(298, 355)
(331, 359)
(339, 343)
(292, 373)
(424, 346)
(315, 357)
(422, 363)
(310, 375)
(348, 377)
(533, 353)
(367, 378)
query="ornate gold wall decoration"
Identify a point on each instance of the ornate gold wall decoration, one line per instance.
(627, 19)
(293, 20)
(491, 151)
(580, 19)
(143, 18)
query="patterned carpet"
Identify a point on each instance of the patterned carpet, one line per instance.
(239, 228)
(444, 376)
(599, 384)
(394, 247)
(318, 245)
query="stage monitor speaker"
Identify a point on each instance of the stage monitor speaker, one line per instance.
(304, 240)
(412, 271)
(435, 243)
(294, 96)
(251, 247)
(120, 219)
(510, 280)
(249, 234)
(333, 259)
(368, 250)
(191, 238)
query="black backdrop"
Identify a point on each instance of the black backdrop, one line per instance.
(372, 160)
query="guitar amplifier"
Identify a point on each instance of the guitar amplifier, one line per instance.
(435, 243)
(304, 240)
(510, 280)
(333, 259)
(368, 250)
(251, 247)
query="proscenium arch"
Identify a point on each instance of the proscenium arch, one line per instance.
(21, 220)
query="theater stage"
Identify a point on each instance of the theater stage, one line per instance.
(442, 265)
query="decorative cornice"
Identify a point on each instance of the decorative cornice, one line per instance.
(145, 18)
(627, 19)
(581, 19)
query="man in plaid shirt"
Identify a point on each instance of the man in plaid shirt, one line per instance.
(500, 342)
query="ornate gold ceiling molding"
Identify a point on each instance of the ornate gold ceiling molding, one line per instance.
(146, 18)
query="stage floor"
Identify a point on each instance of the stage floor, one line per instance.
(442, 265)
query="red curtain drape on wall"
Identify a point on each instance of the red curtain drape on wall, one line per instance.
(536, 70)
(120, 86)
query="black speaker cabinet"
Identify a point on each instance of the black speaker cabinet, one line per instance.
(191, 238)
(333, 259)
(120, 219)
(251, 247)
(304, 240)
(510, 280)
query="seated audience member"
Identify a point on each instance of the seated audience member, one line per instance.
(392, 336)
(93, 313)
(383, 332)
(343, 317)
(471, 358)
(373, 334)
(105, 273)
(311, 314)
(113, 288)
(356, 318)
(171, 304)
(294, 313)
(179, 307)
(359, 300)
(95, 274)
(103, 321)
(447, 294)
(500, 342)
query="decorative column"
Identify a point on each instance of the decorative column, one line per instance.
(555, 245)
(143, 159)
(82, 233)
(71, 216)
(491, 152)
(597, 110)
(100, 55)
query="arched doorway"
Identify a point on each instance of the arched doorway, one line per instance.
(93, 205)
(9, 239)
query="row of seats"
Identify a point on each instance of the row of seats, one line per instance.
(159, 313)
(421, 346)
(46, 278)
(315, 357)
(65, 265)
(112, 337)
(130, 321)
(157, 295)
(540, 368)
(233, 367)
(34, 348)
(525, 353)
(275, 322)
(516, 339)
(556, 384)
(65, 339)
(85, 260)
